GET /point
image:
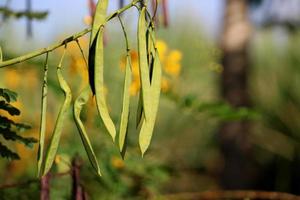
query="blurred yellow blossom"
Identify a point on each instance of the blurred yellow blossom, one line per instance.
(172, 64)
(88, 20)
(117, 162)
(165, 85)
(57, 159)
(31, 79)
(12, 78)
(162, 49)
(134, 87)
(134, 64)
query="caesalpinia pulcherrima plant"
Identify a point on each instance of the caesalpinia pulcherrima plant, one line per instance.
(146, 62)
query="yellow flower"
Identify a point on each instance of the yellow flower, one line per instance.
(12, 78)
(134, 63)
(134, 87)
(78, 67)
(172, 64)
(162, 49)
(165, 85)
(32, 80)
(57, 159)
(117, 162)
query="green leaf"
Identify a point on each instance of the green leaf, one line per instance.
(8, 134)
(7, 123)
(99, 20)
(9, 108)
(147, 127)
(125, 107)
(79, 103)
(8, 95)
(7, 153)
(143, 63)
(54, 142)
(43, 117)
(100, 88)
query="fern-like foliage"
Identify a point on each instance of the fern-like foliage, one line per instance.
(9, 129)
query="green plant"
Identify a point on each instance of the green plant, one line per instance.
(150, 70)
(9, 129)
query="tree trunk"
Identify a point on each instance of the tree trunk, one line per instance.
(238, 170)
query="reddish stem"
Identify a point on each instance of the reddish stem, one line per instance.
(165, 13)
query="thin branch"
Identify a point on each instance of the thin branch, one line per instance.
(124, 32)
(63, 42)
(82, 53)
(234, 195)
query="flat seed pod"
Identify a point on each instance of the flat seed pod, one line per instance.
(143, 63)
(125, 107)
(99, 20)
(43, 117)
(80, 101)
(99, 83)
(54, 142)
(1, 56)
(147, 127)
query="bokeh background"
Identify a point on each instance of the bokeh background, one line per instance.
(230, 105)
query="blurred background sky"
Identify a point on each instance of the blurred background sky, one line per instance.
(63, 20)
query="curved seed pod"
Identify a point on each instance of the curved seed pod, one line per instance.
(99, 83)
(148, 123)
(53, 146)
(1, 56)
(125, 107)
(150, 59)
(99, 20)
(43, 117)
(80, 101)
(143, 63)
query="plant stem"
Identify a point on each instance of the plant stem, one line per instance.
(63, 42)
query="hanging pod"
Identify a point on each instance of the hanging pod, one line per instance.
(147, 126)
(99, 20)
(125, 107)
(80, 101)
(43, 118)
(143, 64)
(96, 66)
(150, 59)
(54, 142)
(1, 56)
(100, 88)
